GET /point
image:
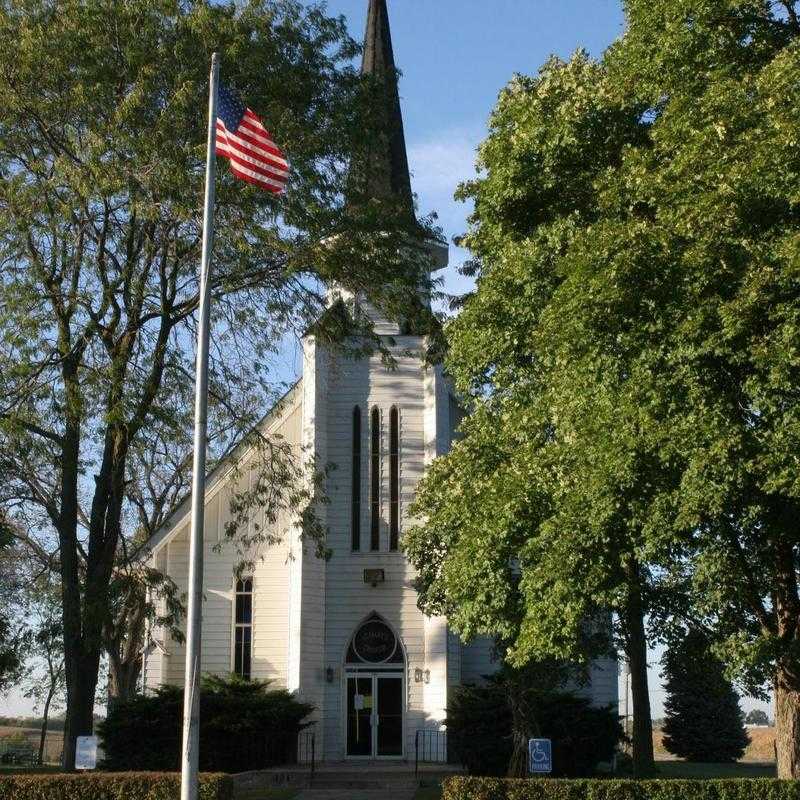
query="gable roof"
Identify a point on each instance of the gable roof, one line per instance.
(171, 524)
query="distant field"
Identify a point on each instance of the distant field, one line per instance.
(53, 744)
(761, 749)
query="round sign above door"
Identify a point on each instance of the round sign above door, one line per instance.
(374, 642)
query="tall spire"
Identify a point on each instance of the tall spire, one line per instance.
(385, 173)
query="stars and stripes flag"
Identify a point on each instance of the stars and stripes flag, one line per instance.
(242, 139)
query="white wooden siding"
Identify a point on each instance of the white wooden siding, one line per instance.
(306, 609)
(368, 384)
(270, 582)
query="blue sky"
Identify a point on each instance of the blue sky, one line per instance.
(455, 56)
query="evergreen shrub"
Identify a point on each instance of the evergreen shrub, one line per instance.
(480, 729)
(105, 786)
(598, 789)
(244, 725)
(702, 720)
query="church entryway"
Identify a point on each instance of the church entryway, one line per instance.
(375, 716)
(374, 692)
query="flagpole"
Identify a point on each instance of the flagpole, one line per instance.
(191, 695)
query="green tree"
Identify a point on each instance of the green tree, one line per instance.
(703, 721)
(44, 681)
(14, 635)
(103, 139)
(519, 510)
(715, 195)
(757, 717)
(630, 355)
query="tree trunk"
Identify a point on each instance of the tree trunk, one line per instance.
(123, 678)
(518, 763)
(83, 638)
(787, 723)
(643, 761)
(80, 705)
(787, 672)
(45, 720)
(76, 722)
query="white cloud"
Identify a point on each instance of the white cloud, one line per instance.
(438, 165)
(441, 162)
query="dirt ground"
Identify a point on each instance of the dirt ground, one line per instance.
(761, 749)
(52, 746)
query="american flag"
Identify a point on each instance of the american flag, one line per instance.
(243, 140)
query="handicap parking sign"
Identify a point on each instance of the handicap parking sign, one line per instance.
(540, 756)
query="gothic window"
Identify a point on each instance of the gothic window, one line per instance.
(243, 636)
(375, 481)
(355, 502)
(394, 478)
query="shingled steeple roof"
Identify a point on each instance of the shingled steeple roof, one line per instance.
(383, 173)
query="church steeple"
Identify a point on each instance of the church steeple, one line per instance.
(383, 173)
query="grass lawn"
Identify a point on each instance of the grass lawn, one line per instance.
(683, 769)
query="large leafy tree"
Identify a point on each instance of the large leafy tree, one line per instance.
(102, 144)
(518, 509)
(631, 351)
(717, 193)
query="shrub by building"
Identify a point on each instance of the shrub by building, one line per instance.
(244, 725)
(488, 726)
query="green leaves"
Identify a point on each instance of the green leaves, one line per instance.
(102, 148)
(630, 356)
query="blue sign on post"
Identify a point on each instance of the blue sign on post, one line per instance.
(540, 756)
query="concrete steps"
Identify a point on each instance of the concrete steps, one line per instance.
(398, 779)
(355, 794)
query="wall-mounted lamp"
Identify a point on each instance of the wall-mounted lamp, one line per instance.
(329, 674)
(418, 675)
(427, 676)
(422, 675)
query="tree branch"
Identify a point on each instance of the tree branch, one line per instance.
(792, 14)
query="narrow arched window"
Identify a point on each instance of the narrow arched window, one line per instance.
(243, 634)
(394, 478)
(375, 481)
(355, 501)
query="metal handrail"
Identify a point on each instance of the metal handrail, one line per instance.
(430, 746)
(310, 749)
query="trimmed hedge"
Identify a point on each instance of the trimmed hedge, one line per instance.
(105, 786)
(554, 789)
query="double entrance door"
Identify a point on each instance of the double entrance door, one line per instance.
(375, 715)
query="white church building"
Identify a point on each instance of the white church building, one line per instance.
(346, 633)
